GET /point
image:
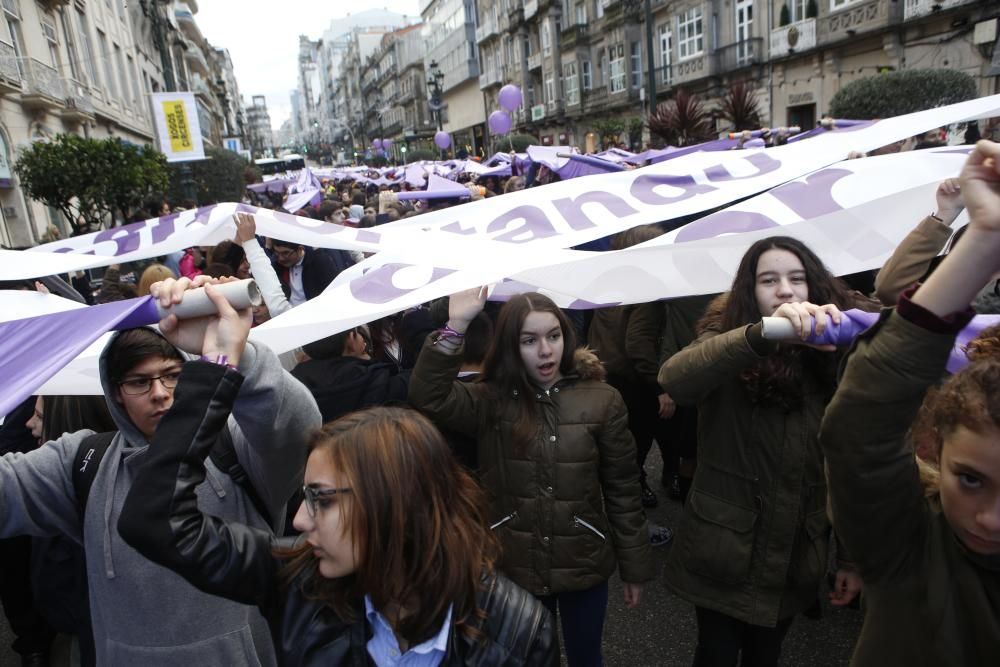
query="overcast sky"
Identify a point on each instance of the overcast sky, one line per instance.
(263, 39)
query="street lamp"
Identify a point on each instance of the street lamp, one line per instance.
(434, 81)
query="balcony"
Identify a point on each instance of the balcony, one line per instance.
(43, 88)
(614, 13)
(79, 106)
(195, 59)
(913, 9)
(486, 30)
(692, 69)
(574, 35)
(793, 38)
(530, 9)
(10, 75)
(534, 62)
(858, 18)
(200, 87)
(489, 79)
(184, 14)
(739, 55)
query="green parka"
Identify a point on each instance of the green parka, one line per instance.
(567, 507)
(753, 540)
(930, 600)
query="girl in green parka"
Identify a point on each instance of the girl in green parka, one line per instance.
(751, 550)
(931, 565)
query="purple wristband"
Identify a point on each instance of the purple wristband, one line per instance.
(448, 332)
(221, 360)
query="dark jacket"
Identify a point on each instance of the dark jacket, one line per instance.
(345, 384)
(568, 507)
(930, 600)
(161, 519)
(753, 540)
(627, 339)
(319, 268)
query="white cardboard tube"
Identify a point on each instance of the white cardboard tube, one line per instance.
(777, 328)
(240, 294)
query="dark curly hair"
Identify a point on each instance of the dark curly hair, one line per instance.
(970, 398)
(986, 345)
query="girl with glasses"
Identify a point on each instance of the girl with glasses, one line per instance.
(395, 559)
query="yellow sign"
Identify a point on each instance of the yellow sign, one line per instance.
(177, 126)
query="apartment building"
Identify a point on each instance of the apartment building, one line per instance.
(395, 94)
(581, 61)
(259, 134)
(87, 68)
(449, 33)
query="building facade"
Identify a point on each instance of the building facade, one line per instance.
(581, 63)
(87, 69)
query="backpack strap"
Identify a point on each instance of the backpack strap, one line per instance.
(223, 455)
(86, 463)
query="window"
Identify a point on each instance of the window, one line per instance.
(87, 49)
(666, 46)
(550, 93)
(571, 85)
(13, 33)
(586, 81)
(798, 9)
(580, 12)
(616, 68)
(74, 59)
(636, 58)
(840, 4)
(690, 34)
(546, 38)
(599, 9)
(122, 75)
(109, 72)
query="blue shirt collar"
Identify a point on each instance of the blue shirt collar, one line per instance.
(380, 626)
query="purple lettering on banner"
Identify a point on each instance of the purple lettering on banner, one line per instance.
(582, 304)
(724, 222)
(67, 250)
(644, 189)
(163, 228)
(814, 197)
(377, 285)
(366, 236)
(127, 237)
(572, 209)
(765, 164)
(457, 228)
(535, 225)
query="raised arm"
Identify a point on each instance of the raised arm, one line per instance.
(161, 518)
(877, 498)
(260, 266)
(712, 359)
(434, 389)
(912, 258)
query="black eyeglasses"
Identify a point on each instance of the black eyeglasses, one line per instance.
(312, 495)
(141, 385)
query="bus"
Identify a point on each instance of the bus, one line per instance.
(292, 162)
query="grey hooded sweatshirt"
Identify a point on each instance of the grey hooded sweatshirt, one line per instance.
(144, 614)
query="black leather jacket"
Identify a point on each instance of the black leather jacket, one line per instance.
(162, 521)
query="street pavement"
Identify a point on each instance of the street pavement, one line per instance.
(661, 632)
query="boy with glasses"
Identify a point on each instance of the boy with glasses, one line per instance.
(144, 614)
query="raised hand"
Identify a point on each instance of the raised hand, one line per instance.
(246, 227)
(980, 183)
(949, 200)
(464, 306)
(193, 335)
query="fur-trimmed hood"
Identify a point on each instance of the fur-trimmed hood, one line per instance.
(587, 366)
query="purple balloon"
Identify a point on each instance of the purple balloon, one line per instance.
(500, 122)
(386, 144)
(377, 144)
(442, 140)
(510, 97)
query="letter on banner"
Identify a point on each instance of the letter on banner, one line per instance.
(177, 126)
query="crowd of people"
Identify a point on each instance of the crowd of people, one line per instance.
(456, 484)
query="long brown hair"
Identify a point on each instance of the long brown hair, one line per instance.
(503, 367)
(777, 379)
(418, 521)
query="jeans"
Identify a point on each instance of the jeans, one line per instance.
(581, 616)
(722, 638)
